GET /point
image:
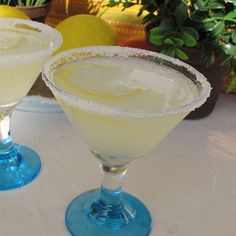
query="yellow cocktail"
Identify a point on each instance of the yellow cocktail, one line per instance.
(17, 77)
(24, 48)
(123, 84)
(123, 102)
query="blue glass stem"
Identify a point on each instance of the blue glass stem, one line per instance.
(8, 154)
(109, 209)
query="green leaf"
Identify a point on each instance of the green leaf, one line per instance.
(149, 18)
(157, 39)
(231, 86)
(192, 32)
(208, 26)
(229, 49)
(168, 41)
(218, 29)
(157, 30)
(140, 11)
(233, 36)
(177, 41)
(164, 51)
(225, 38)
(188, 39)
(170, 51)
(157, 35)
(220, 14)
(208, 20)
(231, 15)
(215, 5)
(208, 58)
(200, 5)
(181, 13)
(180, 54)
(112, 4)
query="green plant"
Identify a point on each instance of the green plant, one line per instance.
(22, 3)
(5, 2)
(209, 25)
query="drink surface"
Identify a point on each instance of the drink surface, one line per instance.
(17, 77)
(126, 84)
(16, 41)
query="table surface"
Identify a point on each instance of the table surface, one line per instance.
(188, 182)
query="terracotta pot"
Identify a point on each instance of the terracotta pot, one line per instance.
(215, 75)
(37, 13)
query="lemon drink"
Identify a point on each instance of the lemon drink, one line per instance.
(124, 84)
(123, 102)
(24, 47)
(17, 78)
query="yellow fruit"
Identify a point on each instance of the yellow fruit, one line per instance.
(7, 11)
(85, 30)
(85, 87)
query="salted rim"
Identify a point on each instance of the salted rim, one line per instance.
(110, 51)
(55, 40)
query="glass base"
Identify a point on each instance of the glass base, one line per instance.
(79, 222)
(21, 169)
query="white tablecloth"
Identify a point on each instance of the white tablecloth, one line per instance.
(188, 182)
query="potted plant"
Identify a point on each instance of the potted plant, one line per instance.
(35, 9)
(200, 32)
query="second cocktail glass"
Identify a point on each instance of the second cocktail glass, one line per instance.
(24, 48)
(123, 102)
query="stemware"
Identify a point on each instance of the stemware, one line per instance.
(24, 47)
(102, 90)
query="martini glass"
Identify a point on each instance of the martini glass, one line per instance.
(123, 102)
(24, 48)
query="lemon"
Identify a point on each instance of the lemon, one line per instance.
(7, 11)
(94, 80)
(85, 30)
(109, 95)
